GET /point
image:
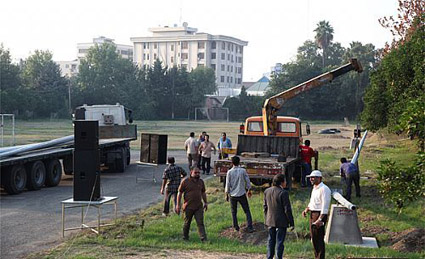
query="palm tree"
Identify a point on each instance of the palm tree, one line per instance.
(324, 36)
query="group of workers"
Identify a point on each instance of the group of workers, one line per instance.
(199, 150)
(277, 206)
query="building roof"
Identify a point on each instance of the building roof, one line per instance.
(260, 87)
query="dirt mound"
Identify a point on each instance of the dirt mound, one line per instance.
(410, 240)
(258, 237)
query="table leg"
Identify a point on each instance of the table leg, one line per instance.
(82, 216)
(98, 219)
(63, 220)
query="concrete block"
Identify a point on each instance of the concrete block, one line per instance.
(343, 226)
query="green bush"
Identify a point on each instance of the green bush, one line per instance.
(401, 185)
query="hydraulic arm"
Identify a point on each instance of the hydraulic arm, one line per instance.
(273, 104)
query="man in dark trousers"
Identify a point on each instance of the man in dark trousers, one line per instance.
(193, 190)
(170, 184)
(306, 154)
(237, 188)
(278, 215)
(350, 174)
(318, 207)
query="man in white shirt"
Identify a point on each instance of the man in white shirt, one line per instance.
(237, 188)
(318, 207)
(191, 147)
(205, 148)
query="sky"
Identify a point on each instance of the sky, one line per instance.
(274, 29)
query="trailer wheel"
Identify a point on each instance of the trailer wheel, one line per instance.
(15, 179)
(127, 149)
(121, 163)
(36, 175)
(53, 172)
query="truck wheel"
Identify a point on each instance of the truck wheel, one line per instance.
(53, 172)
(68, 167)
(121, 163)
(127, 149)
(36, 175)
(15, 179)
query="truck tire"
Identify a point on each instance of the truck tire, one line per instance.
(36, 175)
(53, 172)
(127, 149)
(14, 179)
(68, 167)
(121, 162)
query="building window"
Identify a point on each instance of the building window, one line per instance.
(227, 78)
(82, 51)
(184, 45)
(145, 45)
(213, 66)
(228, 46)
(231, 58)
(213, 55)
(228, 56)
(231, 79)
(223, 56)
(172, 47)
(172, 59)
(147, 57)
(201, 45)
(239, 59)
(155, 45)
(184, 56)
(223, 45)
(201, 56)
(223, 67)
(201, 65)
(222, 79)
(231, 68)
(154, 56)
(213, 45)
(239, 80)
(239, 70)
(232, 47)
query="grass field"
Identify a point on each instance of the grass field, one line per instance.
(128, 238)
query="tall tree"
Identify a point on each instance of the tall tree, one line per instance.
(11, 91)
(107, 78)
(324, 37)
(47, 88)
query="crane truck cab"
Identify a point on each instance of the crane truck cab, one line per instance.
(287, 127)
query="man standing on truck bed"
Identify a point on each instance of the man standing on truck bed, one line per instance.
(191, 147)
(223, 142)
(237, 187)
(306, 154)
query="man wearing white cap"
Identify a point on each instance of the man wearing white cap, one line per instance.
(318, 207)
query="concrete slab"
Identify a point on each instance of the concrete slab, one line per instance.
(368, 242)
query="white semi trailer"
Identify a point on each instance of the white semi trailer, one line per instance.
(39, 164)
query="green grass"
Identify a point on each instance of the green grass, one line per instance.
(376, 218)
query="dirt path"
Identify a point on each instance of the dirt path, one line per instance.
(179, 254)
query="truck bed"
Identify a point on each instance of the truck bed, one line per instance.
(261, 167)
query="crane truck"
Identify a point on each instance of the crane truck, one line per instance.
(269, 144)
(37, 165)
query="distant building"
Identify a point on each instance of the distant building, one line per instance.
(126, 51)
(70, 68)
(184, 47)
(276, 69)
(259, 88)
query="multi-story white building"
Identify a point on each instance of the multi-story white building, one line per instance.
(126, 51)
(184, 47)
(70, 68)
